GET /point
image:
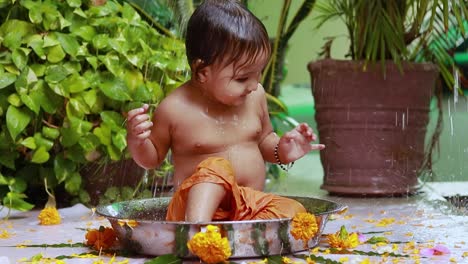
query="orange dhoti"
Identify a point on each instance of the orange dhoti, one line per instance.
(244, 203)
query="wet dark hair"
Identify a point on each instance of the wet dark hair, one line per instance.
(223, 31)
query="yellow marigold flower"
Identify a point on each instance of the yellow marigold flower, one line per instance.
(342, 239)
(128, 222)
(49, 216)
(309, 261)
(209, 246)
(304, 227)
(101, 239)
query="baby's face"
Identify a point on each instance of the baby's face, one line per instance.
(230, 85)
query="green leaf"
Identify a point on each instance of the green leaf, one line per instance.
(133, 79)
(91, 99)
(40, 155)
(75, 83)
(375, 240)
(85, 32)
(143, 94)
(127, 193)
(113, 119)
(15, 201)
(14, 31)
(343, 233)
(6, 79)
(79, 105)
(69, 136)
(17, 120)
(20, 58)
(36, 42)
(116, 89)
(74, 3)
(29, 142)
(112, 193)
(38, 69)
(100, 41)
(55, 54)
(43, 142)
(50, 40)
(80, 125)
(165, 259)
(89, 142)
(7, 159)
(11, 68)
(4, 180)
(79, 12)
(120, 139)
(35, 15)
(19, 185)
(113, 152)
(93, 61)
(73, 184)
(103, 132)
(50, 132)
(84, 197)
(48, 100)
(15, 100)
(112, 63)
(56, 73)
(63, 168)
(69, 43)
(31, 101)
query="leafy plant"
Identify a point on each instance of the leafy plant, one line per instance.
(405, 30)
(69, 71)
(273, 74)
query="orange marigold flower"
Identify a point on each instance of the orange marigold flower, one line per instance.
(209, 246)
(342, 239)
(49, 216)
(101, 239)
(304, 227)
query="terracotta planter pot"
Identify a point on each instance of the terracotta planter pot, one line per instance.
(373, 126)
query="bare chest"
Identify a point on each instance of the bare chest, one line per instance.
(207, 134)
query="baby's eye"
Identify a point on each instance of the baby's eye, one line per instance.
(243, 79)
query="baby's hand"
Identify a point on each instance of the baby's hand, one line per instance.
(138, 124)
(296, 143)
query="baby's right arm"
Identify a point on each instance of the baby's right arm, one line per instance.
(139, 126)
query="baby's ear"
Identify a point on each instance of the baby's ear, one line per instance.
(200, 72)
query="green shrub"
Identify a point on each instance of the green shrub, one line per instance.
(68, 73)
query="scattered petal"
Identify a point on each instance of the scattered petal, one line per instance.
(435, 251)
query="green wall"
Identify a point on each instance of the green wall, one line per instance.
(306, 42)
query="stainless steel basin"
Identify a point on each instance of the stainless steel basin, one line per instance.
(141, 228)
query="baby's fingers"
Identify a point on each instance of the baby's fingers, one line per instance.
(317, 146)
(144, 135)
(137, 111)
(142, 127)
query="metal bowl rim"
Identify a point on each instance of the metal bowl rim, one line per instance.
(339, 208)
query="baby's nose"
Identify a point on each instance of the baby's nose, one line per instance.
(252, 87)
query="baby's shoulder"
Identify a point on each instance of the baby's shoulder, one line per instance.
(174, 102)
